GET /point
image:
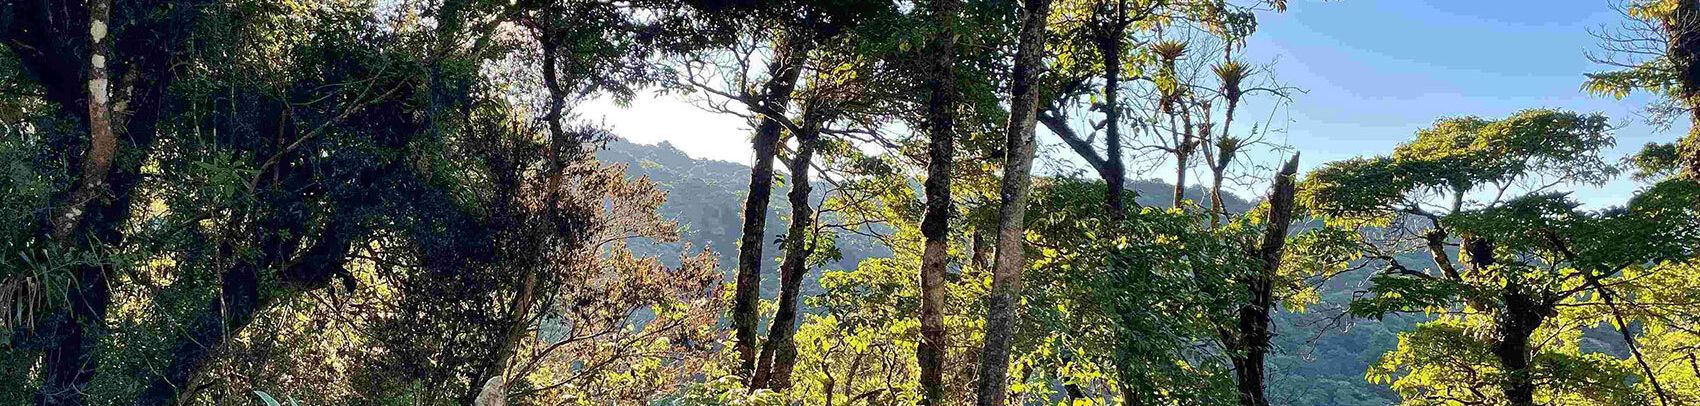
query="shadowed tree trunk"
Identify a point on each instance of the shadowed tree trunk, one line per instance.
(789, 55)
(68, 47)
(942, 99)
(489, 382)
(1112, 41)
(1054, 121)
(1683, 26)
(1226, 149)
(72, 361)
(1217, 171)
(1008, 261)
(1180, 174)
(97, 160)
(981, 249)
(1251, 345)
(1513, 324)
(779, 353)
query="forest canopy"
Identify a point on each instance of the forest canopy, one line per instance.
(348, 202)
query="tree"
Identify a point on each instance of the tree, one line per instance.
(1520, 256)
(794, 30)
(1657, 50)
(51, 41)
(1009, 259)
(940, 125)
(1169, 104)
(1248, 343)
(291, 156)
(779, 352)
(789, 56)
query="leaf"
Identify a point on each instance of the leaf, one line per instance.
(267, 398)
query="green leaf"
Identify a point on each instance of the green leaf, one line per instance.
(267, 398)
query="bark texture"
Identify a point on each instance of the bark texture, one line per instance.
(940, 84)
(789, 55)
(69, 48)
(779, 353)
(1683, 27)
(103, 145)
(72, 360)
(1181, 159)
(1009, 260)
(1112, 43)
(1250, 346)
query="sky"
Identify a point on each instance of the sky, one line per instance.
(1371, 74)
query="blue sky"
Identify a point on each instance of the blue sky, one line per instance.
(1373, 72)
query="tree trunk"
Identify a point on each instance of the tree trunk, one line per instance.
(1009, 260)
(71, 360)
(1180, 177)
(1111, 46)
(1217, 211)
(1218, 170)
(1254, 334)
(492, 387)
(1130, 396)
(935, 222)
(1683, 26)
(779, 353)
(980, 249)
(1513, 325)
(103, 145)
(789, 55)
(1225, 152)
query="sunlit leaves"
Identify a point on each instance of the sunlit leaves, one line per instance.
(1451, 361)
(1654, 161)
(1355, 191)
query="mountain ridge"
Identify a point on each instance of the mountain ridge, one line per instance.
(705, 197)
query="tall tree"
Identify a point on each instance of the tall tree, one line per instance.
(794, 29)
(779, 353)
(1009, 260)
(1176, 102)
(1249, 346)
(1109, 32)
(790, 53)
(74, 51)
(1524, 253)
(1658, 51)
(942, 99)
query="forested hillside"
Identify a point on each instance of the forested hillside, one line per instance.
(945, 202)
(1317, 361)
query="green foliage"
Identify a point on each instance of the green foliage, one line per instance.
(375, 203)
(1653, 71)
(1121, 304)
(1311, 255)
(1459, 155)
(1654, 161)
(726, 391)
(1525, 257)
(1450, 361)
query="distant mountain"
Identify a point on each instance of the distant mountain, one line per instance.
(706, 198)
(1312, 363)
